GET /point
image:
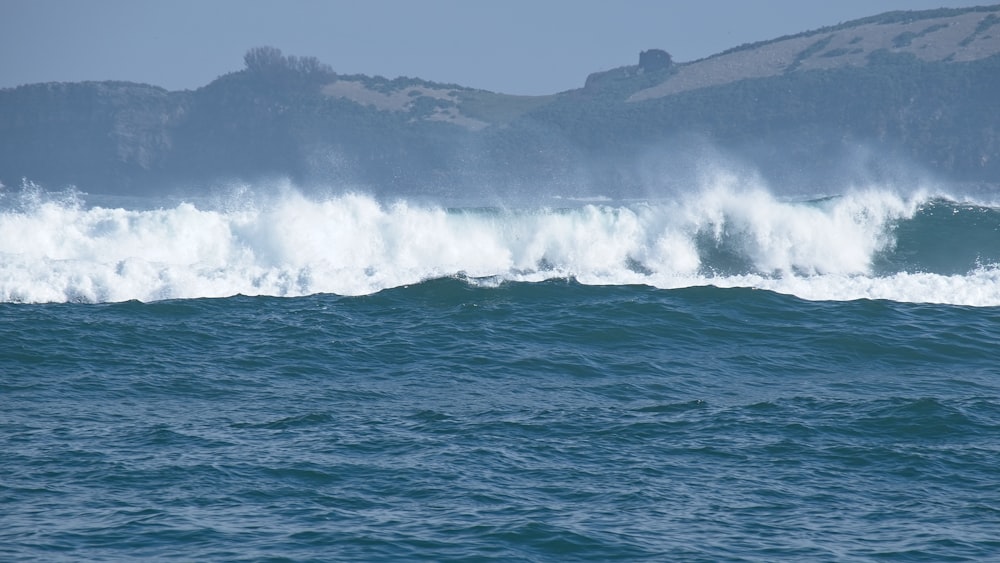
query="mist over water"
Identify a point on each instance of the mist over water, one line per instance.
(875, 242)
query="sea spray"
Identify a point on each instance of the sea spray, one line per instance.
(845, 247)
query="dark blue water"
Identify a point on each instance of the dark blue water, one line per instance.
(453, 420)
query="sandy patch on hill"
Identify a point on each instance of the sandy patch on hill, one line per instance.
(957, 38)
(403, 100)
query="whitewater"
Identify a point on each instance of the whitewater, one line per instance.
(866, 243)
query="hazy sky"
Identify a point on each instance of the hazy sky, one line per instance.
(512, 46)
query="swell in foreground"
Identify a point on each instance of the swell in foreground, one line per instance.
(532, 421)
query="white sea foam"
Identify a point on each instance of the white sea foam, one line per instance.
(61, 250)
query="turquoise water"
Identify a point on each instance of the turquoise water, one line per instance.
(545, 421)
(724, 376)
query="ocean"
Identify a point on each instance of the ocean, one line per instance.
(727, 374)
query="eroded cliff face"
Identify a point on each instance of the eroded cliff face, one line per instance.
(102, 133)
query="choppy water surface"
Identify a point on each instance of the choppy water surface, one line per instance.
(549, 420)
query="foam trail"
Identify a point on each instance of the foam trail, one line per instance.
(57, 251)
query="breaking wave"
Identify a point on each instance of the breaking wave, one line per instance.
(865, 244)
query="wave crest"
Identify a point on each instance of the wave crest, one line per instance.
(844, 247)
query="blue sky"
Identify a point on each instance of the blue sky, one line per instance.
(511, 46)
